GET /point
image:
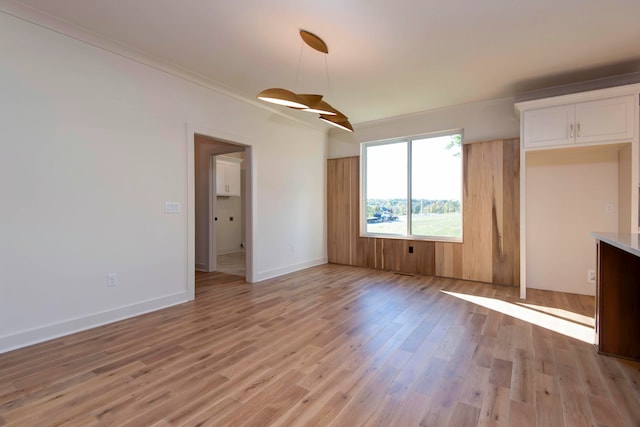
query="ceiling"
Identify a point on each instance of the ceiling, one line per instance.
(385, 58)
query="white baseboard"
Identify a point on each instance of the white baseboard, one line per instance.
(56, 330)
(230, 251)
(260, 276)
(201, 267)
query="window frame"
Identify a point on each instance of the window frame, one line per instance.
(363, 187)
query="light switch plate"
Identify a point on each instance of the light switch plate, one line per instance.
(112, 279)
(172, 207)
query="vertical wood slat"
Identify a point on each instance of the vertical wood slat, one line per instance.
(491, 248)
(379, 245)
(354, 204)
(478, 198)
(365, 253)
(425, 252)
(448, 262)
(339, 218)
(506, 254)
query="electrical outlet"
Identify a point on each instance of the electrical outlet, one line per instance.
(112, 279)
(591, 276)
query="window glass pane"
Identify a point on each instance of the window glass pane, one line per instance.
(386, 188)
(436, 186)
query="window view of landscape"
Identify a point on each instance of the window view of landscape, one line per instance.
(432, 207)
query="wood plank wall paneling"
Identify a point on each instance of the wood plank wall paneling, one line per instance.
(339, 218)
(491, 248)
(506, 249)
(354, 206)
(396, 256)
(365, 252)
(479, 191)
(448, 259)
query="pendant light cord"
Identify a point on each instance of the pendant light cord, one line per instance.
(299, 66)
(326, 69)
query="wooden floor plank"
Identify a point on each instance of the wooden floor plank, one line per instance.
(522, 414)
(522, 385)
(465, 415)
(411, 411)
(329, 345)
(548, 401)
(604, 412)
(495, 408)
(574, 399)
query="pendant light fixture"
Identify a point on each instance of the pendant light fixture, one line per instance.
(311, 103)
(282, 97)
(322, 107)
(309, 100)
(337, 121)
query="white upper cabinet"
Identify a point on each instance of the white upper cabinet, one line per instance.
(228, 176)
(549, 126)
(608, 120)
(605, 119)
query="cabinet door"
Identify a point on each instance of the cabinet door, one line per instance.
(605, 120)
(549, 126)
(221, 182)
(232, 176)
(227, 178)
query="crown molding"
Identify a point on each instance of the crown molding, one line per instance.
(466, 105)
(579, 87)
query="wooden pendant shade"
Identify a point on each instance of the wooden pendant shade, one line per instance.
(314, 41)
(308, 102)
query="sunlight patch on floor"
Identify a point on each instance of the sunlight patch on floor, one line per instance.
(565, 314)
(536, 317)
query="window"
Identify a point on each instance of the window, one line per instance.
(412, 187)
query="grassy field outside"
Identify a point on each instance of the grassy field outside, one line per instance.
(443, 225)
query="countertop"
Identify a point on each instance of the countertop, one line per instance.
(628, 242)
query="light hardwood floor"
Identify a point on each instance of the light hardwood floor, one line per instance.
(330, 345)
(232, 263)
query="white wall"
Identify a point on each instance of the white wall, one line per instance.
(567, 193)
(292, 203)
(481, 121)
(93, 145)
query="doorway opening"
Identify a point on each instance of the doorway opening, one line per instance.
(226, 197)
(220, 190)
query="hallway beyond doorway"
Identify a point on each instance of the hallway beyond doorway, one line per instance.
(232, 263)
